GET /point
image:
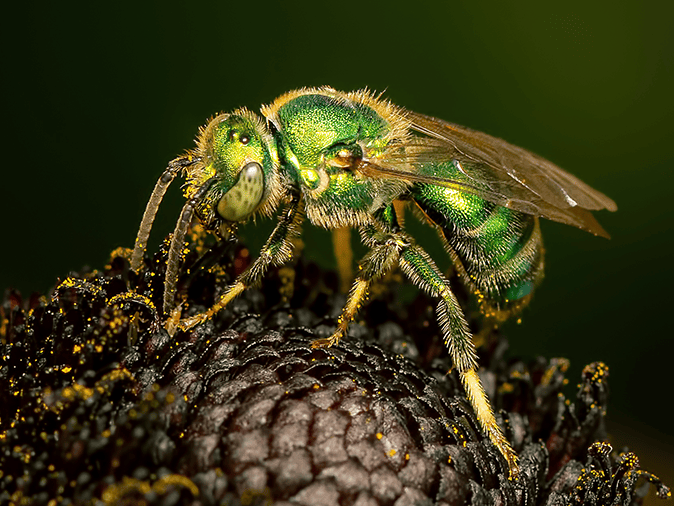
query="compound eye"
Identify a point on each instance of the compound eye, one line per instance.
(244, 197)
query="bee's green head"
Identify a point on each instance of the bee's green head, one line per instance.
(238, 150)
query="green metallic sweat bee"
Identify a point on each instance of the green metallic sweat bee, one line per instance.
(349, 160)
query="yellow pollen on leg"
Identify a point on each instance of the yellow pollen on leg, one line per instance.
(232, 293)
(192, 321)
(485, 416)
(358, 293)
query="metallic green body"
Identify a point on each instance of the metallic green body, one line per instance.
(310, 132)
(498, 251)
(347, 160)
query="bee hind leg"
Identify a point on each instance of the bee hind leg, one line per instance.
(423, 272)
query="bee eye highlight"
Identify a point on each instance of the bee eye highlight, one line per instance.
(244, 139)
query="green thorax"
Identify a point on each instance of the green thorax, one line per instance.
(317, 133)
(314, 125)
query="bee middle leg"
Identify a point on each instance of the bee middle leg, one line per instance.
(382, 257)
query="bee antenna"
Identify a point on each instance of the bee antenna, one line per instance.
(174, 167)
(177, 243)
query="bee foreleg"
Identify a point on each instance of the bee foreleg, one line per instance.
(277, 251)
(176, 251)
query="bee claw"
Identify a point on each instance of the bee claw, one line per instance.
(192, 321)
(326, 342)
(172, 324)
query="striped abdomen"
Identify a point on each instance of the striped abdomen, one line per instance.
(497, 251)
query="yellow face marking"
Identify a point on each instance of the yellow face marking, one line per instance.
(196, 178)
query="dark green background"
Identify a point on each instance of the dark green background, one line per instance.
(98, 99)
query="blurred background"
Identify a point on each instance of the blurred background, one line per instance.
(98, 99)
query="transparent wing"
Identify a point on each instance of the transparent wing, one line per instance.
(494, 170)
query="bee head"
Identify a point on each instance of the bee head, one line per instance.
(237, 149)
